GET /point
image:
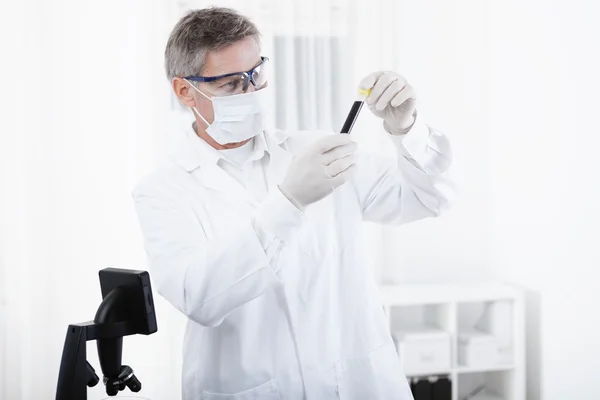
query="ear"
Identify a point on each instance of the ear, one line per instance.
(183, 91)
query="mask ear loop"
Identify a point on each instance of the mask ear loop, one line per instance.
(194, 108)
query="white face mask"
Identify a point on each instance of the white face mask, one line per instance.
(238, 117)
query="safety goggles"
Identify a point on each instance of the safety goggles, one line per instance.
(236, 82)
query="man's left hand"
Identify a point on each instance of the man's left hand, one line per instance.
(391, 99)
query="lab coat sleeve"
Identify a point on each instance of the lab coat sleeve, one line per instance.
(413, 186)
(208, 279)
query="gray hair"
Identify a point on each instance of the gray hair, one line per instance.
(200, 31)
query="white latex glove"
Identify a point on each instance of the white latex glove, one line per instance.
(319, 170)
(391, 99)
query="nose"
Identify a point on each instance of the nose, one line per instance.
(251, 88)
(252, 85)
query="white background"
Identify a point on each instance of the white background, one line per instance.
(85, 113)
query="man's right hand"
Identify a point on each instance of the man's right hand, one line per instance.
(319, 170)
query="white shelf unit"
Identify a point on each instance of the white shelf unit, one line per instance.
(497, 309)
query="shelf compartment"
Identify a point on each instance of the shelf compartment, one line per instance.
(496, 385)
(426, 316)
(485, 334)
(422, 337)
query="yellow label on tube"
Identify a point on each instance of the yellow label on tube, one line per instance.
(364, 92)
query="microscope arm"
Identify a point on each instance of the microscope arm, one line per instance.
(76, 374)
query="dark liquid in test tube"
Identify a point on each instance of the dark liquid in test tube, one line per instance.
(352, 115)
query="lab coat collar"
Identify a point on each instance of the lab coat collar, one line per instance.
(194, 152)
(196, 156)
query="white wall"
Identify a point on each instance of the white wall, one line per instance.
(85, 90)
(544, 140)
(444, 48)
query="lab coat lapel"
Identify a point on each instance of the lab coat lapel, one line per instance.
(202, 165)
(193, 159)
(214, 177)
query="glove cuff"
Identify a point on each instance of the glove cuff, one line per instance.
(399, 132)
(292, 200)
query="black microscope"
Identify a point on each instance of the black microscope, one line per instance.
(127, 308)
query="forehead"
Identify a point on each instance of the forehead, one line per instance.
(239, 56)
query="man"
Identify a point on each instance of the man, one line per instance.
(255, 236)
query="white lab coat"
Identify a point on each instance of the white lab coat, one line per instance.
(281, 304)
